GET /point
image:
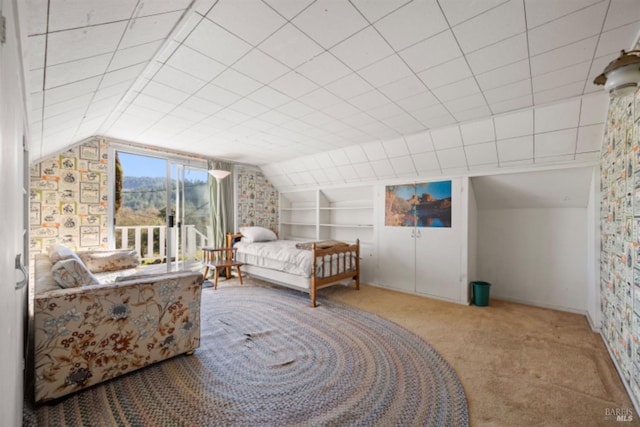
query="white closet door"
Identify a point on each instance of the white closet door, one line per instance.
(439, 254)
(396, 258)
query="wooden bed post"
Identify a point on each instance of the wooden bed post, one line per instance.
(357, 264)
(313, 275)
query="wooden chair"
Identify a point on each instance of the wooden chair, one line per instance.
(219, 259)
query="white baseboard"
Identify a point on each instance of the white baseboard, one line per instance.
(541, 304)
(627, 387)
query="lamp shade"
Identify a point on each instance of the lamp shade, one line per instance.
(219, 173)
(622, 76)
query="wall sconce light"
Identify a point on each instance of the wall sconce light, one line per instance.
(622, 75)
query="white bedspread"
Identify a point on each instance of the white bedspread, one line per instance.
(279, 255)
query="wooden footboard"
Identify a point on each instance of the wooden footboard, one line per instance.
(332, 264)
(341, 261)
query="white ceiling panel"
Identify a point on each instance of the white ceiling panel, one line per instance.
(610, 41)
(497, 24)
(289, 8)
(290, 46)
(568, 29)
(71, 45)
(622, 12)
(70, 72)
(195, 63)
(477, 132)
(215, 42)
(504, 75)
(149, 29)
(426, 162)
(511, 149)
(446, 73)
(446, 138)
(497, 55)
(329, 22)
(563, 57)
(562, 142)
(458, 11)
(385, 71)
(481, 154)
(452, 158)
(412, 23)
(512, 125)
(267, 81)
(260, 67)
(251, 20)
(557, 117)
(433, 51)
(65, 15)
(362, 49)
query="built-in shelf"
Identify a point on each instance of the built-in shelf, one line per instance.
(343, 213)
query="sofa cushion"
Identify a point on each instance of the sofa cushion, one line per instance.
(101, 261)
(59, 252)
(43, 274)
(71, 273)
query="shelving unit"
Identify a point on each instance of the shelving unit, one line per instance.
(342, 213)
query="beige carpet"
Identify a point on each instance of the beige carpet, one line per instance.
(519, 365)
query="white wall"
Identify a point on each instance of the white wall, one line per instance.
(535, 256)
(472, 239)
(12, 302)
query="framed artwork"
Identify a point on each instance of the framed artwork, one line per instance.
(418, 205)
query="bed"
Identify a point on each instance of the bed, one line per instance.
(290, 263)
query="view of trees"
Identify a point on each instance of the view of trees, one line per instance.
(144, 200)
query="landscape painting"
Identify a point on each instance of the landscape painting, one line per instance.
(418, 205)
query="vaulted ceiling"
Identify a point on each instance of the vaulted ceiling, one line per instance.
(339, 86)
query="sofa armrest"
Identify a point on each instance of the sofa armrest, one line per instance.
(86, 335)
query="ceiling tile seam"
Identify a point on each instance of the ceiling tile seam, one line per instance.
(595, 49)
(113, 22)
(475, 78)
(44, 78)
(396, 53)
(575, 151)
(123, 104)
(495, 138)
(383, 16)
(278, 12)
(124, 32)
(254, 46)
(470, 18)
(526, 26)
(464, 150)
(569, 13)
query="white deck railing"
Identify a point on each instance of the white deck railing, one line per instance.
(194, 240)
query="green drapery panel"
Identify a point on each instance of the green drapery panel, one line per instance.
(222, 209)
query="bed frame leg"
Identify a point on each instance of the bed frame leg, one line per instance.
(313, 295)
(357, 278)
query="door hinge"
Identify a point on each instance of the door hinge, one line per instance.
(3, 29)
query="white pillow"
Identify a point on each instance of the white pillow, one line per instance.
(257, 234)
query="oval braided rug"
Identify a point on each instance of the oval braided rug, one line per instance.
(268, 359)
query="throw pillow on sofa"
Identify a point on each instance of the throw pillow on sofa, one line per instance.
(72, 273)
(101, 261)
(59, 252)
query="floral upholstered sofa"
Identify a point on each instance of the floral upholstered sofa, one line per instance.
(96, 317)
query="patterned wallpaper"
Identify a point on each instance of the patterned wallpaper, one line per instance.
(257, 199)
(69, 199)
(620, 237)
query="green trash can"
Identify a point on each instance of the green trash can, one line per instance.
(481, 293)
